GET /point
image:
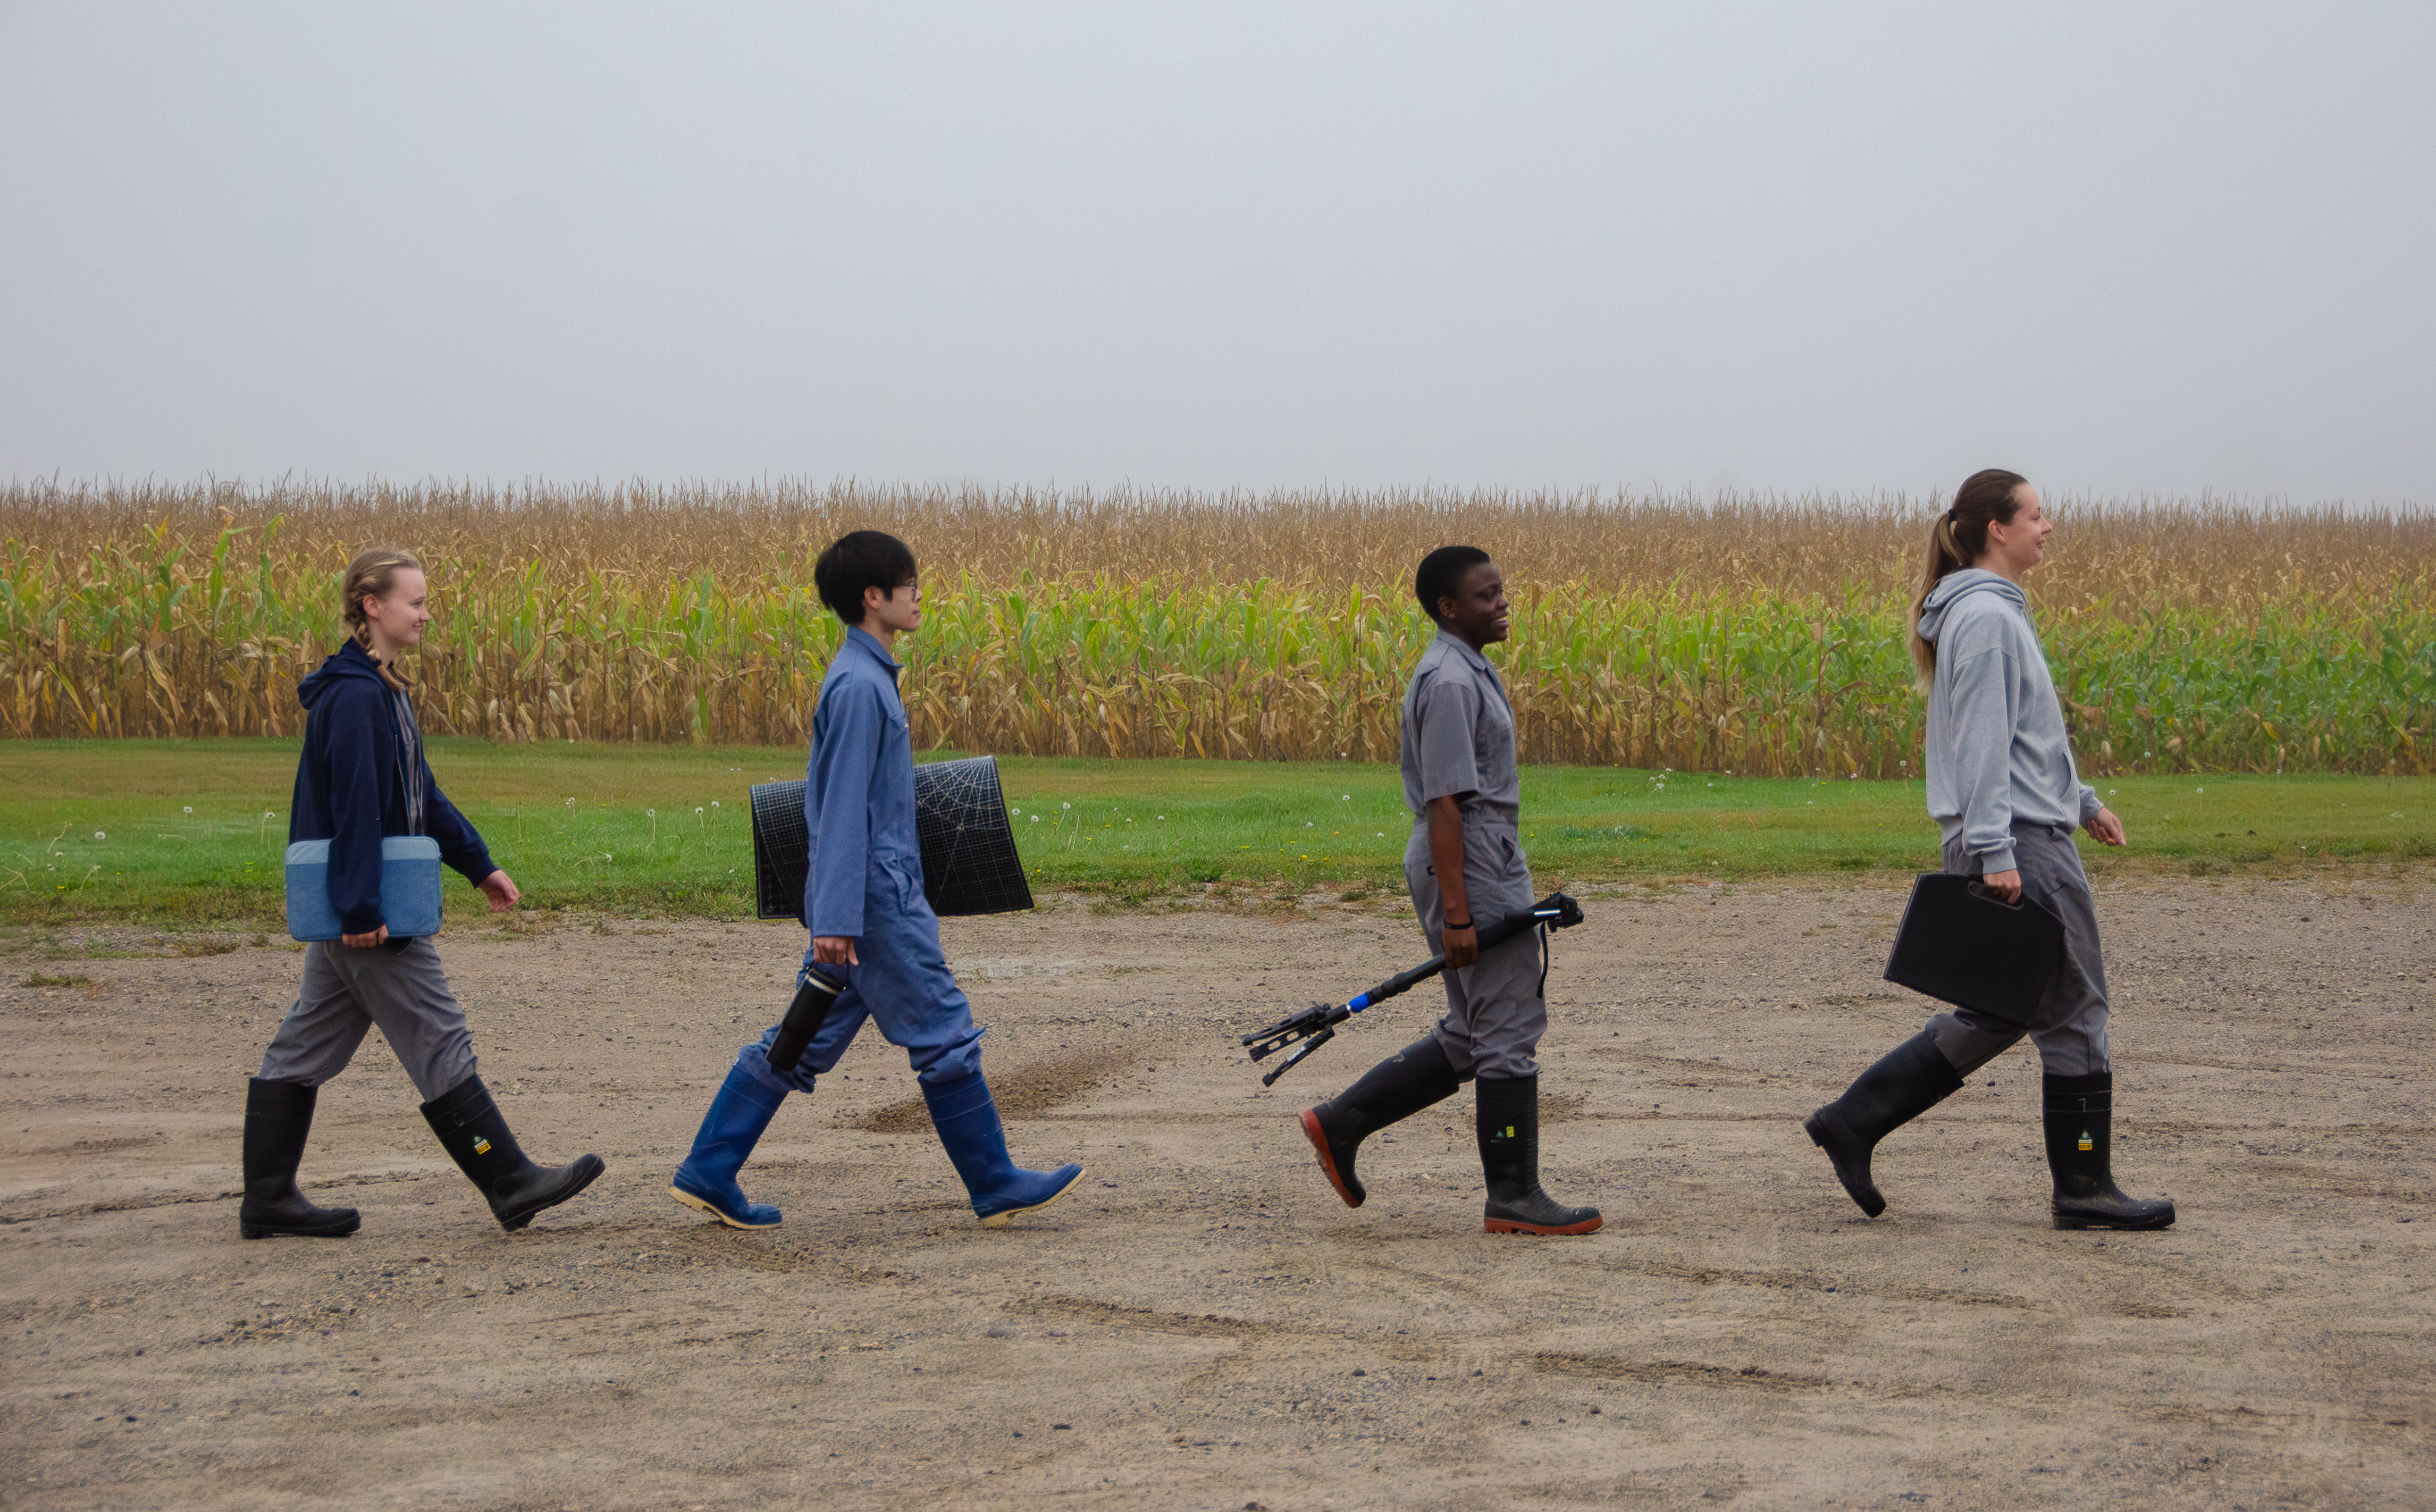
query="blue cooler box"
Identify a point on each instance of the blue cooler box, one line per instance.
(409, 888)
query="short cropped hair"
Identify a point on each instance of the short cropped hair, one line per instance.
(859, 560)
(1441, 573)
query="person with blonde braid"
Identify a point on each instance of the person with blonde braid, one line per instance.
(362, 776)
(2003, 789)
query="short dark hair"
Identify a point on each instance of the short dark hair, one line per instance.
(859, 560)
(1441, 573)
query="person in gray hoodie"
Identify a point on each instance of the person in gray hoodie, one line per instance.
(2004, 792)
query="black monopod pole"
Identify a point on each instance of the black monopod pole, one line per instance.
(814, 996)
(1317, 1025)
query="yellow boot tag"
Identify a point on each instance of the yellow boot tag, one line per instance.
(482, 1146)
(2086, 1142)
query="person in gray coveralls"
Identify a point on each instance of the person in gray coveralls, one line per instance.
(2003, 791)
(1465, 866)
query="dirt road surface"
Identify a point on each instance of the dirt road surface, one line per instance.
(1205, 1326)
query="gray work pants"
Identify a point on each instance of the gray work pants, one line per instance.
(1495, 1013)
(346, 991)
(2069, 1024)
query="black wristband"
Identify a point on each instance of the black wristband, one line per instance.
(1452, 925)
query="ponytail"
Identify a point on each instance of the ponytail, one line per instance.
(1956, 539)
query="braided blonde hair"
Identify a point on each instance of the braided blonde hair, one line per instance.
(372, 575)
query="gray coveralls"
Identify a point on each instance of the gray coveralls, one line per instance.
(2069, 1026)
(1459, 740)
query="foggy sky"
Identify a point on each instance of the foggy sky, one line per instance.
(2119, 247)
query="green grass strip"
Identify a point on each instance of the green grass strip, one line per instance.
(190, 833)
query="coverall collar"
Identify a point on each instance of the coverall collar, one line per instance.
(856, 635)
(1463, 649)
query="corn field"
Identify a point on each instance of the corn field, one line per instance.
(1759, 635)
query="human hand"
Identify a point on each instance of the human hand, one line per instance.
(1461, 947)
(2007, 886)
(502, 892)
(835, 950)
(365, 942)
(2108, 828)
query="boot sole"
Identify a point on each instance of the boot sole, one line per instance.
(2143, 1225)
(338, 1229)
(1318, 1138)
(1810, 1126)
(701, 1205)
(998, 1220)
(588, 1171)
(1516, 1226)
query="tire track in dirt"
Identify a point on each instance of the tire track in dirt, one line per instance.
(1811, 1282)
(173, 1199)
(1661, 1372)
(1027, 1091)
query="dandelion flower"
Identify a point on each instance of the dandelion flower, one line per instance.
(190, 808)
(697, 808)
(100, 834)
(714, 803)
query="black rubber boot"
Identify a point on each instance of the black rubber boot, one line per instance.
(278, 1116)
(476, 1137)
(1909, 1080)
(1390, 1092)
(2080, 1130)
(1508, 1115)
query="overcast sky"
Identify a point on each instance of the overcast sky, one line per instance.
(2116, 247)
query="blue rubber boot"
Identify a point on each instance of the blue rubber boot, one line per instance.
(966, 1119)
(733, 1126)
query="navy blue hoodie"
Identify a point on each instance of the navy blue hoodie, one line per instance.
(351, 787)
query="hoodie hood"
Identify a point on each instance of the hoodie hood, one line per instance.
(1950, 589)
(348, 662)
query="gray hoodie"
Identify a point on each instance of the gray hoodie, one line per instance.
(1997, 752)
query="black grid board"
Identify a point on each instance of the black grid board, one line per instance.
(781, 850)
(970, 863)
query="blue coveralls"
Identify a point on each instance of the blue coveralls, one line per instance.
(865, 884)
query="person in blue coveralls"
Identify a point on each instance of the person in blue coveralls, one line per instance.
(360, 776)
(873, 932)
